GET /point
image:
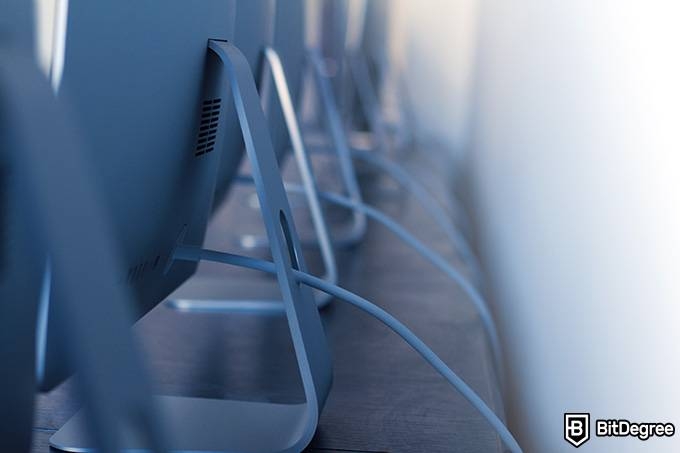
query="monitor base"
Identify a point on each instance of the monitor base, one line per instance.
(206, 425)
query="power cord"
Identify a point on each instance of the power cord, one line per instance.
(437, 260)
(428, 202)
(190, 253)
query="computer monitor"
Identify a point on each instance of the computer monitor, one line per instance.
(160, 66)
(152, 112)
(16, 25)
(254, 29)
(374, 36)
(334, 20)
(289, 43)
(19, 270)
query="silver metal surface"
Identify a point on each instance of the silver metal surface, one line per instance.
(205, 425)
(357, 230)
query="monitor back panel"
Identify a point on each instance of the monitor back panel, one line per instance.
(289, 42)
(334, 20)
(20, 271)
(375, 37)
(16, 25)
(147, 105)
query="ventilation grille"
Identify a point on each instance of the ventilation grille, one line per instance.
(207, 131)
(138, 272)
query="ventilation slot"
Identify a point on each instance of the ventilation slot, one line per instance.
(207, 130)
(136, 273)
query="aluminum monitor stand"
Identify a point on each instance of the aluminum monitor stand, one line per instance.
(353, 235)
(210, 425)
(214, 301)
(369, 100)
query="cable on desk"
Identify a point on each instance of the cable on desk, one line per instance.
(190, 253)
(428, 202)
(437, 260)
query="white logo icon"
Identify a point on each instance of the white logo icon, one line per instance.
(577, 428)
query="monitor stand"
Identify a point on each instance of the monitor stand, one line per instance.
(369, 101)
(356, 231)
(209, 425)
(207, 294)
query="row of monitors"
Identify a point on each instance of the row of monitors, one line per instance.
(164, 136)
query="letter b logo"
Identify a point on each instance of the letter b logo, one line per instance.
(576, 428)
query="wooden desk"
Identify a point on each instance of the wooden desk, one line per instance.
(385, 398)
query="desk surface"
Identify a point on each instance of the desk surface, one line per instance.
(385, 398)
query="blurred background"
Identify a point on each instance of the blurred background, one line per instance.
(561, 120)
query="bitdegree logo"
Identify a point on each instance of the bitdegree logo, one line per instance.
(577, 428)
(626, 428)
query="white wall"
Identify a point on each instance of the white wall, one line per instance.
(577, 178)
